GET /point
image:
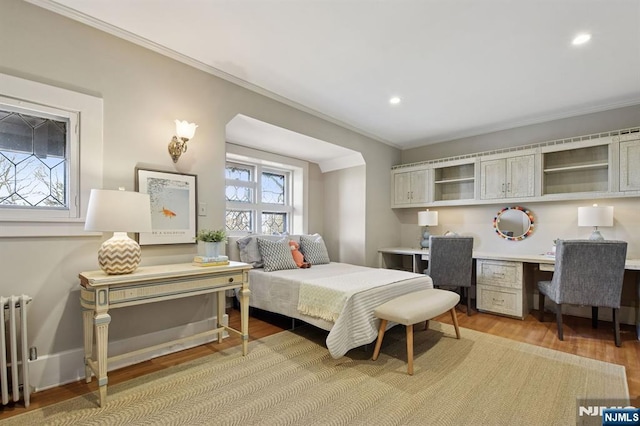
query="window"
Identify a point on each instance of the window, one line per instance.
(50, 158)
(36, 159)
(258, 199)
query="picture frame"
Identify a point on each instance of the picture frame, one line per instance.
(173, 198)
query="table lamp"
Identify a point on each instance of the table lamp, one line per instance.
(595, 216)
(427, 218)
(118, 212)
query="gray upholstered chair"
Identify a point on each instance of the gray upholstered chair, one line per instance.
(587, 273)
(451, 263)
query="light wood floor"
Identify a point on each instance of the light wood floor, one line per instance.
(580, 339)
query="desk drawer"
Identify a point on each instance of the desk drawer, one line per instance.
(500, 301)
(174, 287)
(499, 273)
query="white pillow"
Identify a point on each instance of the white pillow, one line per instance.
(314, 249)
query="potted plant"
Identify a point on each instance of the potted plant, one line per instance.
(212, 241)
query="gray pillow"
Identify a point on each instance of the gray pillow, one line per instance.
(276, 255)
(314, 249)
(249, 251)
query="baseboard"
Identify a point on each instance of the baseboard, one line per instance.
(53, 370)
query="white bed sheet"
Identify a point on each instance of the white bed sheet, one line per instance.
(356, 326)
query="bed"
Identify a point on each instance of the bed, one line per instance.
(337, 297)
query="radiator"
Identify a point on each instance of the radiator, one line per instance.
(14, 352)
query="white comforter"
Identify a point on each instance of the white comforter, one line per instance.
(356, 325)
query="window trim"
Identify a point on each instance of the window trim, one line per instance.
(88, 110)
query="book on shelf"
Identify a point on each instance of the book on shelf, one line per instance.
(219, 263)
(210, 259)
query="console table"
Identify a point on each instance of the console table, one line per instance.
(101, 292)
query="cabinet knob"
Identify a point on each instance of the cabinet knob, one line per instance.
(231, 279)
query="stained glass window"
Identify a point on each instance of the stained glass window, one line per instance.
(33, 160)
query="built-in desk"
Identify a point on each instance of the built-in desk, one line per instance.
(416, 260)
(101, 292)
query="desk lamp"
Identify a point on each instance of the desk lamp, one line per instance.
(427, 218)
(118, 212)
(595, 216)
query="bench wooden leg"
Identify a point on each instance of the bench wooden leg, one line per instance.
(410, 349)
(426, 325)
(376, 351)
(454, 318)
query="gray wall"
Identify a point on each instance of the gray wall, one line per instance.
(620, 118)
(143, 93)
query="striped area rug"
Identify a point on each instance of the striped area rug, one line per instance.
(290, 379)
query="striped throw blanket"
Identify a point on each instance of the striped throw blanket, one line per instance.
(326, 297)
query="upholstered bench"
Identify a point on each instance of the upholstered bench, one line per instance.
(412, 308)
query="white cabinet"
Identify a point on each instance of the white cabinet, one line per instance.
(630, 165)
(410, 187)
(511, 177)
(501, 288)
(589, 167)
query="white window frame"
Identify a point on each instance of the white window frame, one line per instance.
(295, 192)
(85, 156)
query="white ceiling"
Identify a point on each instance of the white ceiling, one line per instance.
(461, 67)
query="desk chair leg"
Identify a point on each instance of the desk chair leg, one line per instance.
(616, 327)
(410, 349)
(376, 351)
(594, 317)
(559, 320)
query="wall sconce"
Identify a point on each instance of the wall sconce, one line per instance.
(427, 218)
(595, 216)
(178, 144)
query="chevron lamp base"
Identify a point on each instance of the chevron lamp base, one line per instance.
(119, 254)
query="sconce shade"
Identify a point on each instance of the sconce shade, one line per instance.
(595, 216)
(118, 212)
(427, 218)
(185, 130)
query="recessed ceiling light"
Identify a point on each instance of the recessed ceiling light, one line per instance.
(581, 39)
(394, 100)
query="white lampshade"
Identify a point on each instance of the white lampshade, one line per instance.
(118, 212)
(185, 130)
(427, 218)
(595, 216)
